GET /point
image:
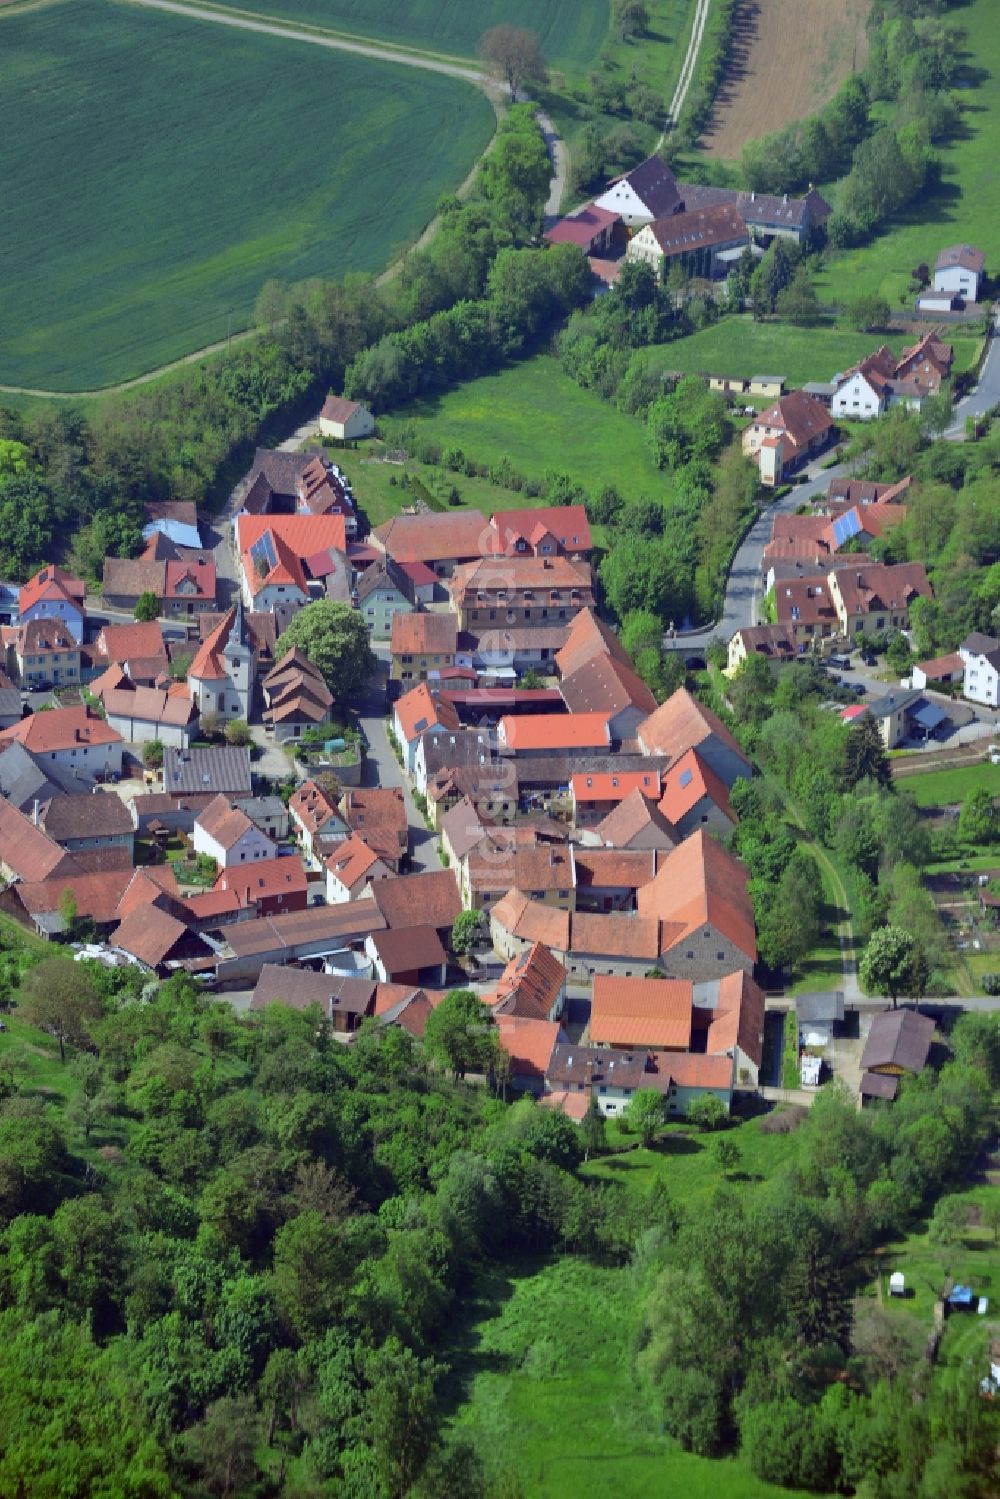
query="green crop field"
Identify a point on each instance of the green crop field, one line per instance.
(739, 347)
(145, 205)
(535, 415)
(965, 205)
(542, 1386)
(570, 31)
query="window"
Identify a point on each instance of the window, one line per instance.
(720, 957)
(689, 953)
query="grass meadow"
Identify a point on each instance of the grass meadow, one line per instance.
(965, 205)
(144, 207)
(535, 415)
(946, 788)
(739, 347)
(543, 1378)
(570, 31)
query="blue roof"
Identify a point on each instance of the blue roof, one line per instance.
(846, 526)
(929, 717)
(961, 1296)
(180, 534)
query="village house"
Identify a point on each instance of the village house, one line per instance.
(877, 596)
(27, 853)
(531, 987)
(806, 609)
(228, 836)
(351, 868)
(266, 887)
(787, 435)
(44, 650)
(904, 714)
(546, 872)
(145, 715)
(221, 676)
(180, 587)
(649, 192)
(322, 488)
(608, 878)
(492, 790)
(958, 271)
(981, 660)
(520, 590)
(345, 421)
(549, 531)
(426, 899)
(177, 520)
(440, 541)
(548, 734)
(81, 823)
(442, 749)
(422, 645)
(10, 702)
(594, 796)
(683, 723)
(767, 216)
(378, 807)
(49, 906)
(705, 242)
(880, 380)
(776, 643)
(927, 363)
(138, 650)
(636, 823)
(586, 638)
(315, 816)
(382, 591)
(939, 672)
(699, 896)
(296, 697)
(53, 593)
(897, 1046)
(70, 737)
(291, 559)
(694, 797)
(222, 770)
(606, 685)
(415, 713)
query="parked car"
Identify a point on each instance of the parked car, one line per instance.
(869, 658)
(843, 662)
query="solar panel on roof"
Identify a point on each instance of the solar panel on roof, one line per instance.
(687, 776)
(846, 526)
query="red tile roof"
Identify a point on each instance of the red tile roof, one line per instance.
(60, 728)
(690, 1070)
(223, 822)
(582, 228)
(96, 895)
(528, 1043)
(682, 723)
(51, 584)
(804, 601)
(700, 884)
(632, 818)
(179, 575)
(435, 538)
(553, 731)
(799, 417)
(530, 985)
(877, 585)
(603, 683)
(419, 634)
(351, 861)
(338, 409)
(208, 664)
(422, 709)
(430, 899)
(149, 934)
(264, 879)
(641, 1012)
(588, 636)
(531, 921)
(311, 806)
(568, 524)
(615, 935)
(679, 233)
(609, 787)
(687, 782)
(294, 538)
(377, 807)
(739, 1017)
(140, 641)
(408, 949)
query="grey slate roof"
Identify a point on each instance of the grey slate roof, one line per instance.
(224, 769)
(23, 781)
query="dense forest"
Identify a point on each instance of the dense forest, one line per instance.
(233, 1251)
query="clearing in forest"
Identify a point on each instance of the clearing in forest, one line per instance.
(788, 58)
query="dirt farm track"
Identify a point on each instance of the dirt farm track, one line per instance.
(789, 58)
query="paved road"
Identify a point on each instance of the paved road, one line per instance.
(986, 394)
(383, 769)
(559, 157)
(743, 589)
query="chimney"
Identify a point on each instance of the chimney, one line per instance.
(34, 812)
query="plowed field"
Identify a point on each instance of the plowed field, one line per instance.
(789, 58)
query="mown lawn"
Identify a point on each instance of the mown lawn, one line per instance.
(535, 415)
(965, 206)
(945, 788)
(543, 1386)
(145, 206)
(570, 31)
(380, 498)
(739, 347)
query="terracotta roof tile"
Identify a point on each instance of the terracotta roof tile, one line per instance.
(616, 935)
(264, 879)
(430, 899)
(530, 985)
(700, 884)
(567, 523)
(419, 634)
(420, 709)
(528, 1043)
(687, 782)
(525, 733)
(531, 921)
(682, 723)
(435, 538)
(634, 817)
(641, 1012)
(149, 934)
(60, 728)
(407, 949)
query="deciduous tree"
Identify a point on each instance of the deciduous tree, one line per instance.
(335, 638)
(58, 998)
(513, 55)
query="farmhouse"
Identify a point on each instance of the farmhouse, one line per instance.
(683, 723)
(650, 191)
(958, 270)
(53, 593)
(71, 737)
(345, 421)
(290, 559)
(591, 228)
(981, 657)
(440, 541)
(546, 532)
(226, 834)
(767, 216)
(898, 1044)
(705, 242)
(787, 435)
(382, 591)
